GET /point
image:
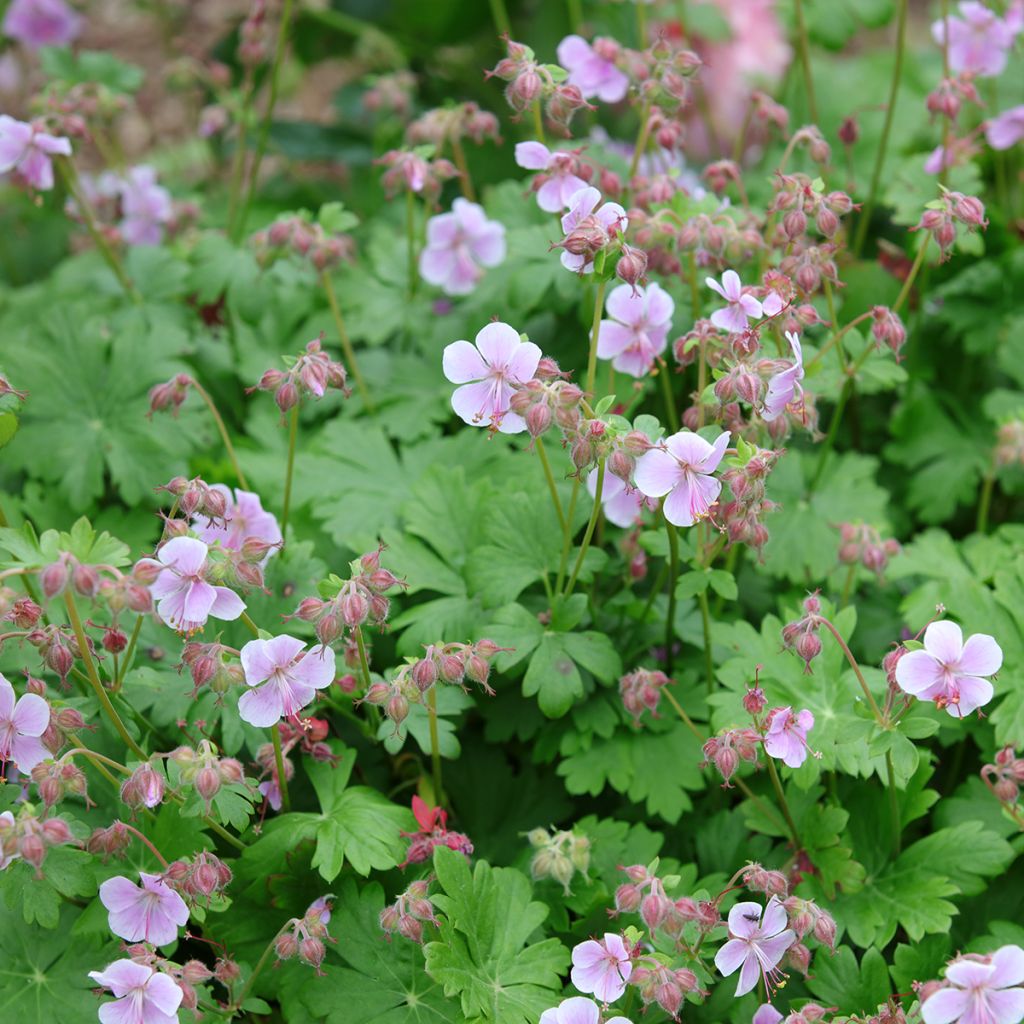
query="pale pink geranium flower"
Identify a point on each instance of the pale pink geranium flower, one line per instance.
(21, 725)
(459, 244)
(606, 221)
(283, 678)
(784, 386)
(602, 967)
(638, 330)
(682, 470)
(142, 994)
(152, 912)
(577, 1010)
(979, 40)
(245, 519)
(786, 738)
(184, 600)
(622, 505)
(146, 207)
(487, 372)
(949, 671)
(740, 305)
(756, 944)
(1007, 129)
(37, 23)
(591, 73)
(983, 991)
(26, 152)
(561, 184)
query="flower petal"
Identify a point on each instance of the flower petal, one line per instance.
(497, 343)
(745, 919)
(656, 473)
(918, 672)
(31, 715)
(185, 554)
(775, 917)
(282, 650)
(1009, 967)
(660, 306)
(981, 656)
(27, 752)
(463, 363)
(6, 699)
(678, 506)
(261, 707)
(944, 1006)
(474, 403)
(974, 693)
(534, 156)
(729, 958)
(944, 641)
(625, 306)
(256, 662)
(227, 605)
(523, 364)
(315, 668)
(612, 339)
(750, 974)
(122, 975)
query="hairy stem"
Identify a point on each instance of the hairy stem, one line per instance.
(293, 430)
(594, 331)
(555, 500)
(783, 806)
(985, 501)
(465, 181)
(435, 745)
(346, 343)
(138, 835)
(673, 575)
(410, 241)
(282, 779)
(868, 695)
(590, 528)
(222, 430)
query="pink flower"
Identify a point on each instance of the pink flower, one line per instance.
(487, 373)
(986, 991)
(561, 184)
(949, 671)
(36, 23)
(602, 967)
(283, 678)
(458, 245)
(682, 470)
(604, 223)
(577, 1010)
(638, 330)
(21, 725)
(766, 1014)
(592, 74)
(734, 317)
(184, 600)
(8, 817)
(1007, 129)
(979, 40)
(145, 206)
(26, 151)
(784, 386)
(786, 738)
(152, 912)
(622, 505)
(143, 994)
(245, 519)
(756, 944)
(271, 790)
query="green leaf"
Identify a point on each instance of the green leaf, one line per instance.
(839, 980)
(482, 955)
(553, 677)
(90, 67)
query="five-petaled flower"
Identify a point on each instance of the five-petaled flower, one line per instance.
(784, 386)
(26, 151)
(283, 678)
(21, 725)
(602, 967)
(488, 371)
(244, 519)
(982, 990)
(638, 330)
(184, 599)
(143, 995)
(589, 228)
(151, 912)
(681, 470)
(561, 182)
(979, 40)
(459, 244)
(949, 671)
(786, 738)
(756, 944)
(577, 1010)
(741, 306)
(591, 73)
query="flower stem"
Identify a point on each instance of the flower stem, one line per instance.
(594, 331)
(247, 619)
(410, 240)
(138, 835)
(851, 575)
(914, 271)
(260, 964)
(500, 16)
(641, 138)
(465, 181)
(830, 299)
(563, 562)
(805, 59)
(364, 662)
(883, 144)
(94, 679)
(555, 500)
(435, 746)
(293, 429)
(346, 343)
(538, 121)
(129, 654)
(836, 336)
(222, 429)
(264, 136)
(282, 781)
(894, 805)
(783, 806)
(575, 15)
(830, 437)
(673, 574)
(985, 501)
(670, 401)
(590, 529)
(705, 617)
(868, 695)
(238, 161)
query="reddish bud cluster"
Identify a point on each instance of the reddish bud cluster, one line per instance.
(444, 125)
(253, 36)
(728, 748)
(743, 516)
(454, 663)
(205, 771)
(806, 917)
(391, 93)
(143, 788)
(1005, 776)
(58, 779)
(802, 635)
(433, 832)
(201, 878)
(58, 647)
(863, 544)
(640, 690)
(311, 374)
(409, 913)
(170, 394)
(644, 892)
(208, 666)
(800, 202)
(547, 400)
(408, 170)
(306, 938)
(1009, 449)
(887, 329)
(195, 498)
(30, 837)
(306, 239)
(664, 986)
(941, 217)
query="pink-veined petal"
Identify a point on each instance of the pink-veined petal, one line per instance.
(163, 993)
(918, 672)
(122, 975)
(463, 363)
(612, 338)
(745, 919)
(184, 554)
(27, 752)
(660, 306)
(497, 343)
(31, 715)
(578, 1010)
(715, 454)
(122, 1011)
(981, 656)
(656, 473)
(751, 306)
(944, 1006)
(974, 693)
(315, 668)
(944, 641)
(774, 949)
(588, 954)
(261, 707)
(474, 403)
(533, 156)
(678, 506)
(689, 448)
(704, 494)
(442, 231)
(551, 196)
(436, 264)
(766, 1014)
(731, 318)
(969, 973)
(1008, 967)
(572, 51)
(729, 958)
(732, 287)
(775, 917)
(282, 650)
(6, 699)
(488, 244)
(523, 364)
(227, 605)
(750, 974)
(716, 287)
(256, 662)
(624, 306)
(1007, 1005)
(576, 263)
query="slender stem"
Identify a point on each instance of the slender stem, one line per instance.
(563, 562)
(222, 429)
(985, 501)
(435, 745)
(914, 271)
(94, 679)
(670, 401)
(869, 696)
(500, 17)
(594, 331)
(555, 500)
(219, 829)
(673, 575)
(883, 144)
(830, 437)
(830, 299)
(282, 779)
(783, 806)
(260, 964)
(805, 59)
(129, 654)
(851, 575)
(364, 662)
(138, 835)
(705, 617)
(590, 528)
(836, 336)
(268, 115)
(241, 142)
(641, 25)
(346, 343)
(538, 121)
(894, 805)
(641, 138)
(575, 15)
(293, 429)
(410, 241)
(247, 620)
(465, 181)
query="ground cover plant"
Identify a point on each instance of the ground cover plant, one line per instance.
(511, 513)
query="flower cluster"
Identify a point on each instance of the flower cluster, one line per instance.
(558, 854)
(409, 913)
(433, 832)
(311, 373)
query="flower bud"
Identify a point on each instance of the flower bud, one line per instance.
(286, 946)
(53, 578)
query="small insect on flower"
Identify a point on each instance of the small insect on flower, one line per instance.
(756, 945)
